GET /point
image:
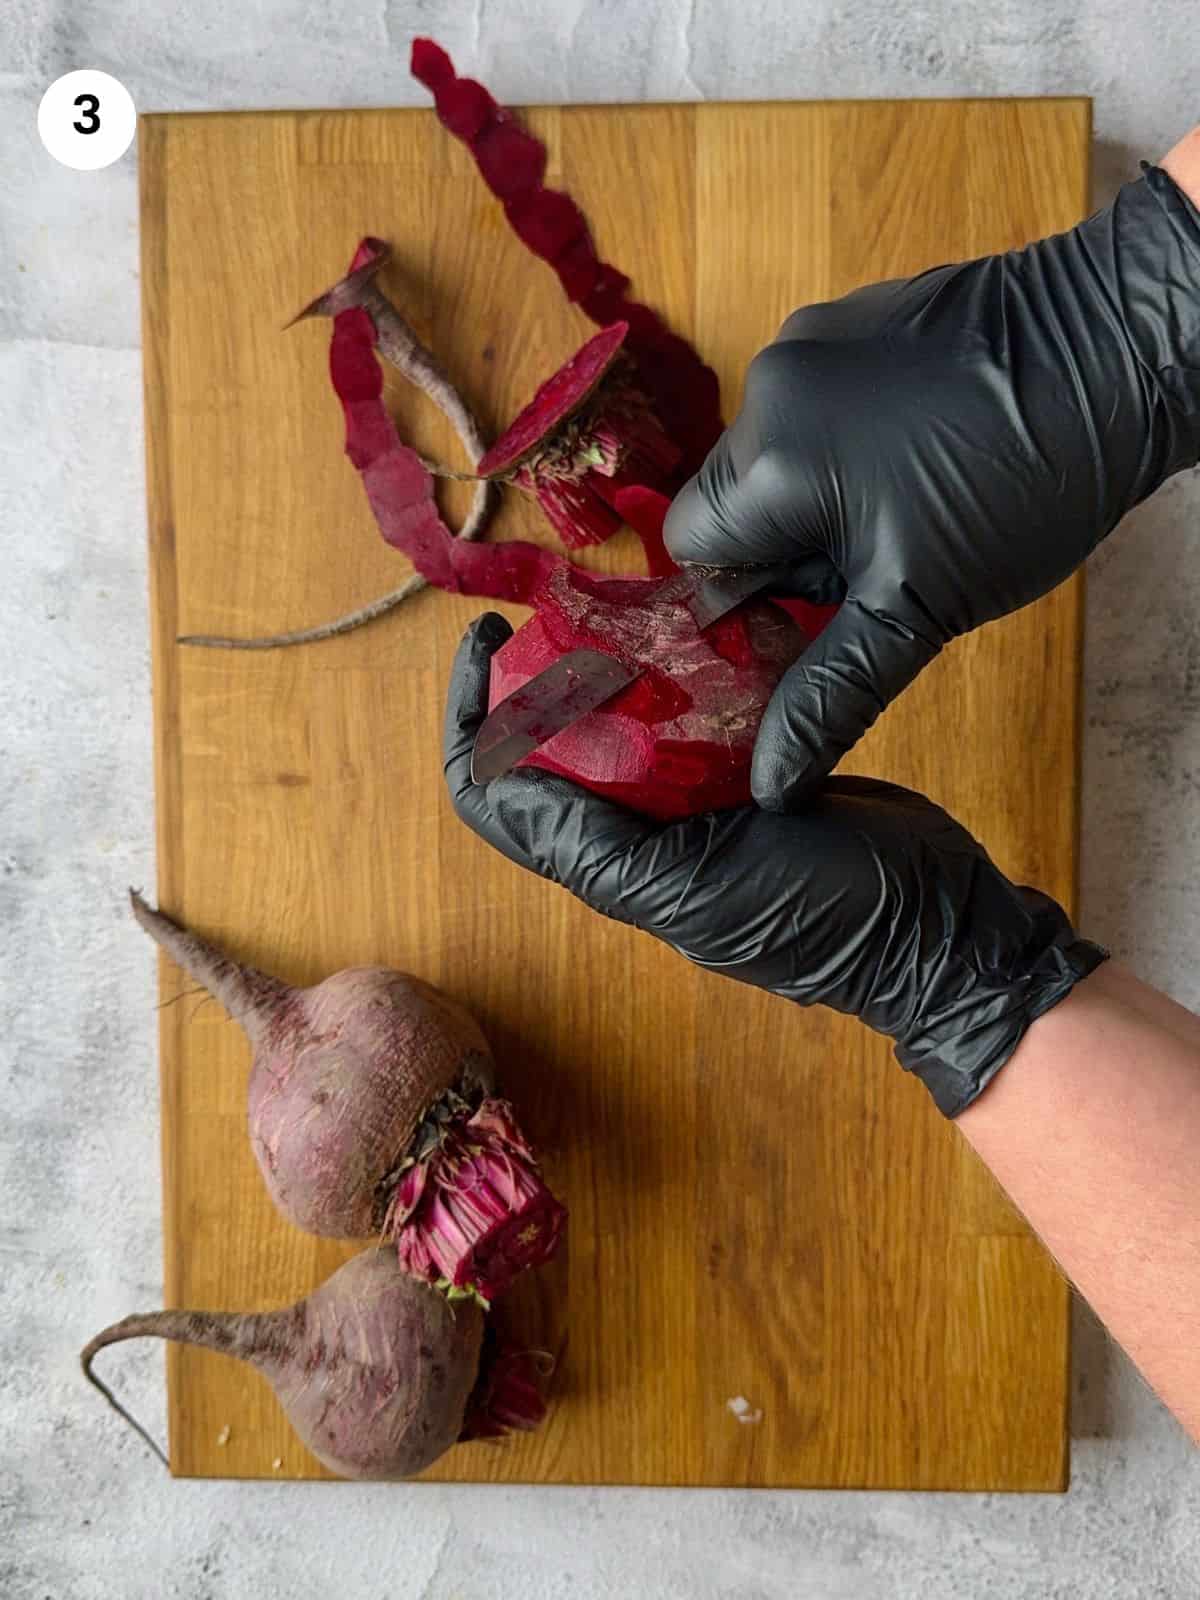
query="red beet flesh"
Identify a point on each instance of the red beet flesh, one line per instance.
(557, 400)
(678, 740)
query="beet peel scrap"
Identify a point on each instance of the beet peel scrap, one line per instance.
(682, 388)
(400, 346)
(604, 441)
(670, 415)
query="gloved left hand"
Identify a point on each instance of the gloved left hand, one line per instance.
(872, 900)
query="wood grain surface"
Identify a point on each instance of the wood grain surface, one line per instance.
(762, 1204)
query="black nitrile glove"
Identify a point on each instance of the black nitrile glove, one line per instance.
(945, 449)
(872, 901)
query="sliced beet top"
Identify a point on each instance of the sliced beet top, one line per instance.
(558, 399)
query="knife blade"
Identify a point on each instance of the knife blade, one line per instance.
(552, 700)
(584, 679)
(719, 593)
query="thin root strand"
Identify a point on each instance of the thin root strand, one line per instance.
(322, 630)
(85, 1361)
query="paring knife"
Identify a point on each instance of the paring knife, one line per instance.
(583, 679)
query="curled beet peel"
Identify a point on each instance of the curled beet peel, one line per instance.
(605, 441)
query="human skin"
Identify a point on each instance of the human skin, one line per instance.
(1183, 164)
(1092, 1128)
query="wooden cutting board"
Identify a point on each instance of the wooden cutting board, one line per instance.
(762, 1205)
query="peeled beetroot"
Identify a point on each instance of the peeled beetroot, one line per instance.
(358, 1081)
(679, 739)
(676, 742)
(378, 1374)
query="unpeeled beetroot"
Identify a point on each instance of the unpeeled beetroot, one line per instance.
(378, 1374)
(368, 1081)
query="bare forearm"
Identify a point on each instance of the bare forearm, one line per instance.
(1093, 1128)
(1153, 1004)
(1183, 164)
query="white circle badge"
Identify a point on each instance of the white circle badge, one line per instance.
(86, 119)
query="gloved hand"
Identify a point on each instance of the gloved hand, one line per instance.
(945, 449)
(872, 901)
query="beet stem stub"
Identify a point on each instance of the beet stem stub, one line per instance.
(472, 1211)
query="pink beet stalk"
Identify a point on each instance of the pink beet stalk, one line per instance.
(472, 1211)
(578, 515)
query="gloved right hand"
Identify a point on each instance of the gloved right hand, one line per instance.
(942, 450)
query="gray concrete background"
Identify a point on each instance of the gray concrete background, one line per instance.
(84, 1513)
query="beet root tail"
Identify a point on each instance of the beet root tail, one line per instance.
(252, 998)
(230, 1332)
